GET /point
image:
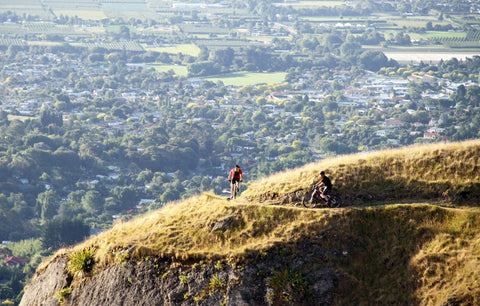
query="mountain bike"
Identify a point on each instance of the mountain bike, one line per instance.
(316, 200)
(236, 190)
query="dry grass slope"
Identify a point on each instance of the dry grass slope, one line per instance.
(423, 172)
(407, 254)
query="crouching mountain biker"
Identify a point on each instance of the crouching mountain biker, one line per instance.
(324, 186)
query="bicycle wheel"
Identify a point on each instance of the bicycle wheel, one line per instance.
(308, 204)
(334, 202)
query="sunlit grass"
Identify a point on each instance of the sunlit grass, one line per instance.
(419, 171)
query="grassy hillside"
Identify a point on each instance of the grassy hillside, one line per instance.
(422, 172)
(408, 254)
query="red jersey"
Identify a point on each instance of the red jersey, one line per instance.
(235, 174)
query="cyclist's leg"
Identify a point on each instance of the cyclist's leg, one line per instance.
(325, 193)
(232, 188)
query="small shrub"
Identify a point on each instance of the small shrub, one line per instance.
(81, 262)
(63, 294)
(219, 265)
(288, 286)
(184, 279)
(215, 283)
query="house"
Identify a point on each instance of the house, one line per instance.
(146, 201)
(430, 136)
(435, 130)
(393, 123)
(15, 261)
(347, 104)
(382, 133)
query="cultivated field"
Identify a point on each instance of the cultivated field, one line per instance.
(428, 57)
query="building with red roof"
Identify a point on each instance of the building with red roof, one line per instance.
(15, 261)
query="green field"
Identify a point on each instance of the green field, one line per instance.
(235, 79)
(306, 4)
(433, 34)
(249, 78)
(21, 118)
(83, 14)
(178, 69)
(187, 49)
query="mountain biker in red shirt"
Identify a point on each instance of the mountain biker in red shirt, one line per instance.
(324, 181)
(234, 176)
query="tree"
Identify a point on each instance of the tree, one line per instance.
(258, 117)
(472, 95)
(60, 232)
(126, 196)
(48, 117)
(224, 57)
(92, 202)
(47, 202)
(402, 39)
(460, 94)
(373, 60)
(124, 32)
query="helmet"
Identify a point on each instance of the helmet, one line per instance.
(322, 173)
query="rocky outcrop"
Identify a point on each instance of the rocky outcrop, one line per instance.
(266, 280)
(42, 290)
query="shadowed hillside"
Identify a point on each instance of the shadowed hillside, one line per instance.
(209, 251)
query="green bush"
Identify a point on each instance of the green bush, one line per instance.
(81, 262)
(63, 294)
(288, 287)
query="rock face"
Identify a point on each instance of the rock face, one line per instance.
(265, 281)
(52, 280)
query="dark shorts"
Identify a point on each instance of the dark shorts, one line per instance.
(326, 190)
(235, 179)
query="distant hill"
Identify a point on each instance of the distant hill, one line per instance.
(401, 240)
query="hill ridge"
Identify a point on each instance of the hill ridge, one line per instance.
(186, 254)
(442, 171)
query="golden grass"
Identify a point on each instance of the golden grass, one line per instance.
(184, 230)
(407, 254)
(420, 171)
(403, 254)
(448, 264)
